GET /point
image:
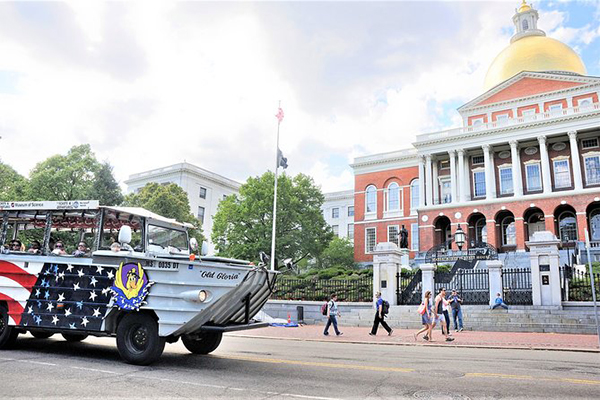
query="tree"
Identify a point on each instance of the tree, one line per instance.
(170, 201)
(339, 253)
(242, 226)
(13, 186)
(78, 175)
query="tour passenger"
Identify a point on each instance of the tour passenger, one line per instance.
(116, 247)
(15, 245)
(59, 248)
(35, 248)
(81, 250)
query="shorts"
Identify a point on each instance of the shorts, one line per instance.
(440, 319)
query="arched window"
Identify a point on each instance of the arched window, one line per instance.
(480, 231)
(393, 197)
(509, 231)
(567, 226)
(414, 194)
(525, 25)
(595, 224)
(371, 203)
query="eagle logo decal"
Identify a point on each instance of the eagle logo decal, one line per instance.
(130, 287)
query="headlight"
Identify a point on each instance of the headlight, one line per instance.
(202, 295)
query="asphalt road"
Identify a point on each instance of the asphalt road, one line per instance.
(262, 368)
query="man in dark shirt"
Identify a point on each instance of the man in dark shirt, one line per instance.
(455, 302)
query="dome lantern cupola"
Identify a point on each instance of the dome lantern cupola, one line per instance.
(525, 20)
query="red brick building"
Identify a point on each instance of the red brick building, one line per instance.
(527, 158)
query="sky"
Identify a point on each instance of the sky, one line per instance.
(154, 83)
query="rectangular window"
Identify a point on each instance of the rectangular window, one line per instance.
(414, 237)
(562, 174)
(479, 183)
(528, 113)
(202, 192)
(201, 214)
(370, 239)
(351, 231)
(446, 194)
(444, 164)
(393, 232)
(534, 178)
(336, 230)
(506, 182)
(555, 108)
(502, 118)
(589, 143)
(592, 170)
(477, 160)
(351, 211)
(335, 212)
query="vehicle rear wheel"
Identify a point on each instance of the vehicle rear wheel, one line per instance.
(41, 334)
(8, 334)
(138, 340)
(203, 343)
(74, 337)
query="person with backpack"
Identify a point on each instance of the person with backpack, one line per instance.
(332, 314)
(381, 309)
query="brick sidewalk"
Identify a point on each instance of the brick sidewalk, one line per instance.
(513, 340)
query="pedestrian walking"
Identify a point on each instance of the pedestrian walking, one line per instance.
(332, 314)
(438, 313)
(456, 304)
(379, 317)
(425, 317)
(446, 311)
(499, 302)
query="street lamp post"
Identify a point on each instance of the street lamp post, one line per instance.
(459, 237)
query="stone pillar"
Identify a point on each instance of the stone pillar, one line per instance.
(428, 271)
(495, 277)
(491, 232)
(435, 180)
(575, 161)
(421, 182)
(549, 224)
(545, 274)
(387, 259)
(581, 225)
(516, 169)
(462, 194)
(489, 173)
(466, 188)
(428, 183)
(520, 229)
(453, 184)
(547, 182)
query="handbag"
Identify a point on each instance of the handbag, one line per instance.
(422, 309)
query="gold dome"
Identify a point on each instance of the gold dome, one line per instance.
(532, 53)
(524, 7)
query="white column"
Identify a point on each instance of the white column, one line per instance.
(466, 187)
(461, 176)
(495, 277)
(421, 181)
(427, 279)
(428, 184)
(545, 165)
(489, 173)
(516, 168)
(453, 186)
(436, 186)
(576, 162)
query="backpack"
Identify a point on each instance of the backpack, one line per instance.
(324, 308)
(385, 307)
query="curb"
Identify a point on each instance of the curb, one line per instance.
(418, 344)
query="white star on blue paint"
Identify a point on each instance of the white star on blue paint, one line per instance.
(38, 319)
(76, 286)
(80, 304)
(84, 321)
(99, 269)
(37, 292)
(93, 296)
(61, 297)
(54, 319)
(69, 268)
(50, 307)
(47, 295)
(97, 312)
(72, 326)
(110, 275)
(61, 275)
(30, 310)
(93, 281)
(43, 284)
(80, 273)
(68, 312)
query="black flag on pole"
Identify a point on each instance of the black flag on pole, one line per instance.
(281, 160)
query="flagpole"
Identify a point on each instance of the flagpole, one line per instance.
(275, 196)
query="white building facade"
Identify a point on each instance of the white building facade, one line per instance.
(338, 210)
(205, 189)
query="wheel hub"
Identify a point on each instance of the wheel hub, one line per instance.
(140, 338)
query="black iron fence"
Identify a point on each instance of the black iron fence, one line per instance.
(516, 283)
(355, 290)
(473, 285)
(576, 285)
(409, 286)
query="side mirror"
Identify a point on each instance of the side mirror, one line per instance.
(125, 234)
(204, 250)
(193, 244)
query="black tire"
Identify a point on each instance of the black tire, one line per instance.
(137, 339)
(8, 334)
(74, 337)
(203, 343)
(41, 334)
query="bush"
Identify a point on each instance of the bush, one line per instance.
(443, 268)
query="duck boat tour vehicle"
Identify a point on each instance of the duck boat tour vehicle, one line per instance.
(130, 274)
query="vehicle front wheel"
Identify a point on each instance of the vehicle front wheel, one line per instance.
(41, 334)
(8, 334)
(203, 343)
(137, 339)
(74, 337)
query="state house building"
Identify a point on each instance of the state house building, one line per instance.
(527, 158)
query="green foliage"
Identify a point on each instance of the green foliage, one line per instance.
(340, 252)
(78, 175)
(242, 226)
(13, 186)
(170, 201)
(443, 268)
(336, 273)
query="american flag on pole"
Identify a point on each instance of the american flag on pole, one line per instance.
(279, 115)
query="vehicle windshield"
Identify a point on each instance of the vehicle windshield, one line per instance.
(167, 240)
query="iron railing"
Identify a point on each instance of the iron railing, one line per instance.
(410, 288)
(355, 290)
(516, 283)
(473, 285)
(576, 285)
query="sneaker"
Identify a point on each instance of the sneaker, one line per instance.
(371, 334)
(339, 334)
(449, 339)
(390, 332)
(460, 330)
(426, 337)
(456, 330)
(449, 333)
(326, 334)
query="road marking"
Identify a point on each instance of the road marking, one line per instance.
(96, 370)
(529, 377)
(318, 364)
